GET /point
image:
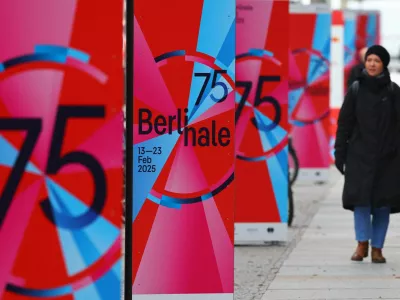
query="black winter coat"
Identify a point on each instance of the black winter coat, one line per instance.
(367, 143)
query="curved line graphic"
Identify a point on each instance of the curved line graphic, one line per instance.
(79, 60)
(59, 55)
(255, 53)
(176, 202)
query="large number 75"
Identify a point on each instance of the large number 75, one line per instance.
(259, 99)
(56, 161)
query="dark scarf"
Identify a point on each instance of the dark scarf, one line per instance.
(376, 83)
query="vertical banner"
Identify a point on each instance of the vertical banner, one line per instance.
(378, 37)
(368, 28)
(362, 34)
(336, 73)
(351, 48)
(183, 149)
(261, 171)
(351, 58)
(61, 130)
(373, 28)
(309, 79)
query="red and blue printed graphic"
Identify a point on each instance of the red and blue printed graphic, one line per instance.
(367, 28)
(61, 97)
(350, 59)
(309, 61)
(262, 127)
(373, 28)
(351, 55)
(183, 196)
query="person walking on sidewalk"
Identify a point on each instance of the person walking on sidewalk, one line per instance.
(367, 152)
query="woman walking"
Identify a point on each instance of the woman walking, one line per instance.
(367, 153)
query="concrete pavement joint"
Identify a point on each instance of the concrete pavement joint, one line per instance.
(302, 221)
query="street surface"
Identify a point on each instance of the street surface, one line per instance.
(319, 267)
(257, 266)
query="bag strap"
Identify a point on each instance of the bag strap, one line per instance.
(356, 86)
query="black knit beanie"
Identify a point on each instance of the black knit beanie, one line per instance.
(379, 51)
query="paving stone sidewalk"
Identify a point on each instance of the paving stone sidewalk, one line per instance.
(319, 267)
(257, 266)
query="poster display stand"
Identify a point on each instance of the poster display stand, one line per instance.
(309, 88)
(61, 149)
(336, 73)
(262, 128)
(183, 149)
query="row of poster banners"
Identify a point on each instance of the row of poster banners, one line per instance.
(212, 96)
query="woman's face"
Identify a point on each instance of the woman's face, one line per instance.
(373, 65)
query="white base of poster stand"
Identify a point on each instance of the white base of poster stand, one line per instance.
(257, 233)
(184, 297)
(318, 175)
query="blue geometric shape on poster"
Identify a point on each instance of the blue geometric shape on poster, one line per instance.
(238, 97)
(105, 288)
(215, 29)
(168, 204)
(62, 50)
(278, 168)
(88, 292)
(225, 54)
(109, 285)
(196, 86)
(144, 182)
(216, 38)
(294, 98)
(270, 139)
(371, 29)
(349, 40)
(9, 155)
(207, 102)
(321, 43)
(81, 247)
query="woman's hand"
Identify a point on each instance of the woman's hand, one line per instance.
(346, 124)
(339, 163)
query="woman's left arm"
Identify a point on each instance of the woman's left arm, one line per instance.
(397, 112)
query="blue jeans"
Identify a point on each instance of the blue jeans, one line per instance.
(375, 230)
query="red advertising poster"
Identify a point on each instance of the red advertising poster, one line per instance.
(373, 28)
(262, 120)
(368, 28)
(309, 84)
(183, 149)
(61, 130)
(361, 29)
(378, 34)
(351, 44)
